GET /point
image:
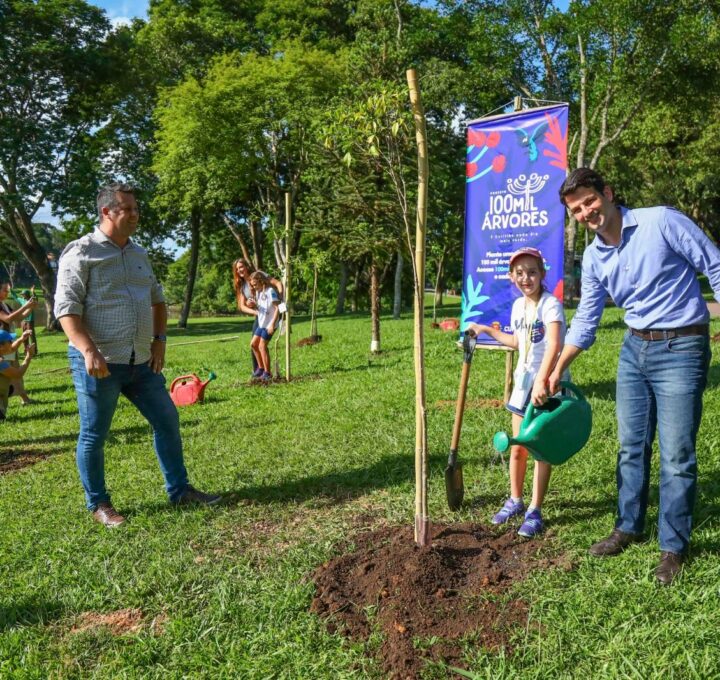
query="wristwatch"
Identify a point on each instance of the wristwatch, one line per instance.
(161, 338)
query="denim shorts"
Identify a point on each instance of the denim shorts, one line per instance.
(262, 333)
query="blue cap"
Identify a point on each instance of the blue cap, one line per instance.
(6, 336)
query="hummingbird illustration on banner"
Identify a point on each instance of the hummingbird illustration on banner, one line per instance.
(528, 140)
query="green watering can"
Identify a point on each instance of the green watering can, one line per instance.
(554, 431)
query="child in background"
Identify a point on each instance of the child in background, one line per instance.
(266, 300)
(28, 323)
(538, 321)
(9, 342)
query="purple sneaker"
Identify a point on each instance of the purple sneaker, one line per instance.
(532, 526)
(257, 373)
(510, 509)
(266, 377)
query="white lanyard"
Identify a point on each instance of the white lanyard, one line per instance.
(528, 331)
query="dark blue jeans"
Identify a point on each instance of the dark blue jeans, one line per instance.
(660, 385)
(97, 399)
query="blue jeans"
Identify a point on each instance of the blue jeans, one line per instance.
(97, 399)
(660, 385)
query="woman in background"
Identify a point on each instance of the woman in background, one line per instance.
(245, 295)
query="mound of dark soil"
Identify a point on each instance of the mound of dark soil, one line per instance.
(447, 591)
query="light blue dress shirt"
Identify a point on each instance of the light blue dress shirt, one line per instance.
(652, 274)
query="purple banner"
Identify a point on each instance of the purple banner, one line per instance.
(515, 166)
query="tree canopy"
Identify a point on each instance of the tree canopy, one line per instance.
(216, 109)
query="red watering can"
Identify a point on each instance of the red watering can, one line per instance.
(189, 389)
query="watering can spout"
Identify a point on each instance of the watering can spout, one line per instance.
(555, 431)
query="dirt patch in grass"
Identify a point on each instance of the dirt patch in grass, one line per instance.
(424, 600)
(471, 403)
(716, 337)
(120, 622)
(10, 461)
(311, 340)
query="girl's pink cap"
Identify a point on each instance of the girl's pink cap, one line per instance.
(533, 252)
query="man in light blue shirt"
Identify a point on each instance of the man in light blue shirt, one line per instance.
(647, 260)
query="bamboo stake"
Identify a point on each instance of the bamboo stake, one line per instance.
(422, 522)
(287, 285)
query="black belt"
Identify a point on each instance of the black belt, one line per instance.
(657, 334)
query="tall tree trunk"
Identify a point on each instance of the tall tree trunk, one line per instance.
(313, 316)
(355, 300)
(375, 307)
(569, 262)
(235, 231)
(256, 235)
(397, 299)
(192, 271)
(439, 284)
(19, 229)
(342, 289)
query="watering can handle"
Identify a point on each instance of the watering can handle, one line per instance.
(565, 384)
(177, 380)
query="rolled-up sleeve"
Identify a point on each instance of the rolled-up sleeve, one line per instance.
(156, 292)
(589, 312)
(688, 240)
(71, 282)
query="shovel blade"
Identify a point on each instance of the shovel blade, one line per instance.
(454, 487)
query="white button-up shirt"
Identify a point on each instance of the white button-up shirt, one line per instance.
(112, 289)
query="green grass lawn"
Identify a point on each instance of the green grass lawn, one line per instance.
(225, 593)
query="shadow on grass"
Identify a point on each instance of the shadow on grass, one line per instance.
(59, 442)
(28, 612)
(604, 389)
(34, 390)
(333, 488)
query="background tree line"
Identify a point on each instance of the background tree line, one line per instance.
(216, 109)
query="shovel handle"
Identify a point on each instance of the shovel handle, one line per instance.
(460, 406)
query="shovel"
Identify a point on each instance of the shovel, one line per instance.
(454, 487)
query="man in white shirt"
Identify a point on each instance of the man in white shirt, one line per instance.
(113, 311)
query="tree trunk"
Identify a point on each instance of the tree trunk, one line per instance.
(375, 307)
(569, 262)
(192, 271)
(313, 317)
(18, 228)
(342, 289)
(397, 301)
(238, 236)
(256, 235)
(355, 302)
(439, 284)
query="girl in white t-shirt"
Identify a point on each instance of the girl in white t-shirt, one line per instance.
(245, 298)
(538, 323)
(267, 301)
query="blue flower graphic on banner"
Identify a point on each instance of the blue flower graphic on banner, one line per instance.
(471, 299)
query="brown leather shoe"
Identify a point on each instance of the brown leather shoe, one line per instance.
(191, 496)
(670, 566)
(107, 515)
(614, 544)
